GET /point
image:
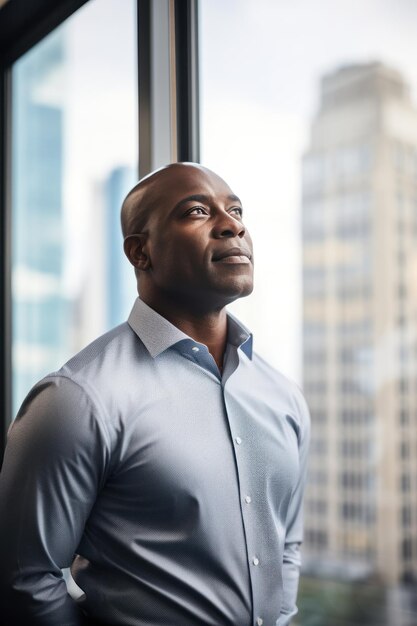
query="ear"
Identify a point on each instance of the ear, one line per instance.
(135, 250)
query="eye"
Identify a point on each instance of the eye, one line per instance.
(237, 210)
(197, 210)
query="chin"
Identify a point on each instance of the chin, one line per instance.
(234, 292)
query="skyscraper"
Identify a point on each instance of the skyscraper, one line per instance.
(359, 212)
(40, 309)
(108, 287)
(120, 279)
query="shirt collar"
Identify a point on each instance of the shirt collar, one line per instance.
(152, 329)
(238, 335)
(157, 334)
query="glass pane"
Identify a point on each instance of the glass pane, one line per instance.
(313, 122)
(74, 157)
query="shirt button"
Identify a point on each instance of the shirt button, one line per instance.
(255, 560)
(248, 499)
(195, 349)
(238, 440)
(259, 621)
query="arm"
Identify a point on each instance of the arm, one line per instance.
(53, 468)
(294, 530)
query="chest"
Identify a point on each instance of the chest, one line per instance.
(191, 443)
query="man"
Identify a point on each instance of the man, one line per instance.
(167, 456)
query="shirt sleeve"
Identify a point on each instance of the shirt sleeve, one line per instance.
(54, 465)
(294, 530)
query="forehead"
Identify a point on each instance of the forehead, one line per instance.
(179, 183)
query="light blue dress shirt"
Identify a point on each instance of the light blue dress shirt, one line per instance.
(178, 488)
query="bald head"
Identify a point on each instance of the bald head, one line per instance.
(142, 200)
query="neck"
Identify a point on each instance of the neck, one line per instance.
(208, 327)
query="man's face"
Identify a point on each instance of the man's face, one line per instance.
(198, 247)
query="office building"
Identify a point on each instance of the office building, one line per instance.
(120, 277)
(359, 211)
(41, 311)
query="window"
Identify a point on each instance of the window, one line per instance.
(74, 151)
(405, 483)
(405, 450)
(407, 548)
(318, 538)
(406, 516)
(404, 416)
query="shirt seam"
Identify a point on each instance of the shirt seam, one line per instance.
(93, 399)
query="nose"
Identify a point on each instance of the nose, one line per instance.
(227, 226)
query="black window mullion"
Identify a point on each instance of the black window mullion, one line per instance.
(144, 85)
(187, 80)
(5, 257)
(24, 23)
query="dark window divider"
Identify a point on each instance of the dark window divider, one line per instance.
(24, 23)
(187, 80)
(144, 86)
(5, 259)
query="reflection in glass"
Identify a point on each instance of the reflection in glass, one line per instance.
(74, 157)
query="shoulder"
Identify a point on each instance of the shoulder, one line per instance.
(109, 367)
(81, 390)
(58, 409)
(103, 351)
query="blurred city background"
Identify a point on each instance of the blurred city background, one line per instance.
(308, 110)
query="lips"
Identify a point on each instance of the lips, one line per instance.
(233, 253)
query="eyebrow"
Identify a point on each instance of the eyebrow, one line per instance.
(198, 197)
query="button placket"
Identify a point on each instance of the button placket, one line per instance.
(246, 500)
